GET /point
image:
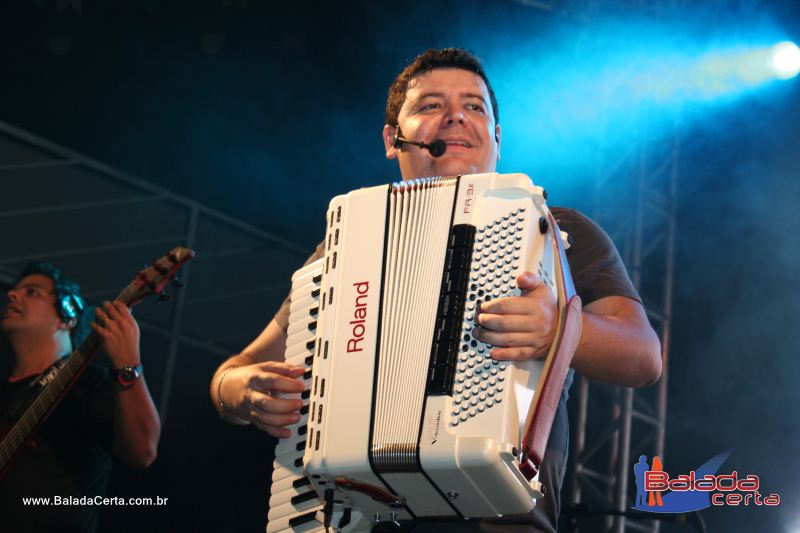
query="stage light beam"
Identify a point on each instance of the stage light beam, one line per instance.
(785, 60)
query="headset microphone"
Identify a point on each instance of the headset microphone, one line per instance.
(436, 147)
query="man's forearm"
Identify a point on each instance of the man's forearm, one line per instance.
(620, 350)
(137, 426)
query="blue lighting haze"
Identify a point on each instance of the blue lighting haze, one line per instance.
(601, 90)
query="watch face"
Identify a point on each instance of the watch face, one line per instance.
(127, 375)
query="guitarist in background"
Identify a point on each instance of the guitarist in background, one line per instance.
(106, 415)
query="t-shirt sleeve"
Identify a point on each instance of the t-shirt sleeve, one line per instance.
(282, 316)
(595, 264)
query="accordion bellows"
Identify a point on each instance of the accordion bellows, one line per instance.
(406, 415)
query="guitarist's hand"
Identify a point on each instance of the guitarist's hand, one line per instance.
(118, 332)
(253, 393)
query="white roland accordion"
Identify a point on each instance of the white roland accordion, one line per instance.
(405, 414)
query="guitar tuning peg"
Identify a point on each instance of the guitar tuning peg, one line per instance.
(163, 297)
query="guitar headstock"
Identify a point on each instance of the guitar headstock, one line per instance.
(153, 279)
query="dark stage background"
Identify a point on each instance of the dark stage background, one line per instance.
(266, 111)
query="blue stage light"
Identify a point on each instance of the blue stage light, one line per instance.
(785, 60)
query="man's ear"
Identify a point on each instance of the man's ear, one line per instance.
(497, 139)
(389, 133)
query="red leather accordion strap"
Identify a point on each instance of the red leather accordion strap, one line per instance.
(556, 365)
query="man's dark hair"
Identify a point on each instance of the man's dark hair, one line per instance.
(427, 61)
(69, 303)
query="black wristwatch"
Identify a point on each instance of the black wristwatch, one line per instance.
(128, 375)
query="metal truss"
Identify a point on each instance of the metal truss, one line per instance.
(100, 225)
(614, 425)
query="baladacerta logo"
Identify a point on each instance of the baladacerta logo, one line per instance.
(702, 487)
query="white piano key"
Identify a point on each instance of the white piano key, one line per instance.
(282, 523)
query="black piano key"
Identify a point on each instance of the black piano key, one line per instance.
(302, 429)
(306, 496)
(298, 463)
(307, 374)
(304, 410)
(300, 446)
(303, 518)
(315, 292)
(317, 279)
(310, 359)
(301, 482)
(305, 394)
(312, 326)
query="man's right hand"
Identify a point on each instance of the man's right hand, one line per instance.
(253, 393)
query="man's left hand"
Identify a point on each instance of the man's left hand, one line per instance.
(520, 327)
(118, 332)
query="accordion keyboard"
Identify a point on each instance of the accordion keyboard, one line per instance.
(294, 504)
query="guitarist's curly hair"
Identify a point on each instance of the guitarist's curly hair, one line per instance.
(69, 303)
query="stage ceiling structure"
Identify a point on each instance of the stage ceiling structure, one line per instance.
(101, 226)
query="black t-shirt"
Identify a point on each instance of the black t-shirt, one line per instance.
(71, 458)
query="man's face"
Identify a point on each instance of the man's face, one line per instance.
(31, 307)
(453, 105)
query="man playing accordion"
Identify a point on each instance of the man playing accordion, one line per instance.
(445, 94)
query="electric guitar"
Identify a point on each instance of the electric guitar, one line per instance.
(15, 434)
